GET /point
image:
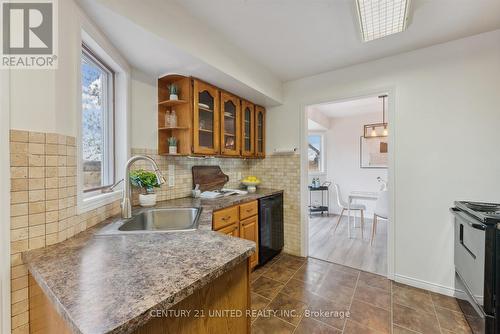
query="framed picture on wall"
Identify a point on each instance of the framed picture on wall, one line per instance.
(373, 152)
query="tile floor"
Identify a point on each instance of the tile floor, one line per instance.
(314, 296)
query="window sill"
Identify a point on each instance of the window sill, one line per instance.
(97, 201)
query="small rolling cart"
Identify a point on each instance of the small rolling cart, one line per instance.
(324, 206)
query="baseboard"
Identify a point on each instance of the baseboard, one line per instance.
(444, 290)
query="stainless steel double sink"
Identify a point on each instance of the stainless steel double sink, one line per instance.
(155, 221)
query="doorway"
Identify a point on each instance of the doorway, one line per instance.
(346, 187)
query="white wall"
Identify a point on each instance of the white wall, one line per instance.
(144, 111)
(446, 102)
(48, 100)
(343, 158)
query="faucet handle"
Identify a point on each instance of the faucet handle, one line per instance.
(111, 188)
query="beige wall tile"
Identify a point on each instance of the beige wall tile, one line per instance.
(24, 329)
(36, 231)
(18, 210)
(18, 172)
(62, 161)
(19, 234)
(36, 184)
(16, 260)
(51, 183)
(37, 207)
(18, 271)
(19, 295)
(19, 160)
(36, 172)
(51, 149)
(71, 151)
(51, 138)
(71, 141)
(61, 139)
(51, 194)
(18, 184)
(20, 307)
(18, 246)
(19, 320)
(19, 283)
(36, 219)
(17, 197)
(19, 222)
(36, 160)
(61, 150)
(51, 228)
(51, 160)
(18, 148)
(52, 205)
(50, 172)
(37, 137)
(38, 242)
(19, 136)
(51, 239)
(36, 195)
(36, 148)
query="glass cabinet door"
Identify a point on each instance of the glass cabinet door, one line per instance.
(206, 118)
(247, 129)
(230, 124)
(260, 135)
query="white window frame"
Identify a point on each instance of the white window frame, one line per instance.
(322, 157)
(108, 163)
(99, 45)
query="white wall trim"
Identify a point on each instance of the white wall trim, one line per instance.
(304, 221)
(5, 322)
(444, 290)
(101, 46)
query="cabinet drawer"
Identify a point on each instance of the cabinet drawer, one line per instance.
(225, 217)
(232, 230)
(248, 210)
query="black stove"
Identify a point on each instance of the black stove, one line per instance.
(486, 212)
(477, 264)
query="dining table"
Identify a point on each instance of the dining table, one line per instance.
(358, 195)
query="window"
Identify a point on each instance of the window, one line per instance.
(97, 132)
(315, 153)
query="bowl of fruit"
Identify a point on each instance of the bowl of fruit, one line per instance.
(251, 182)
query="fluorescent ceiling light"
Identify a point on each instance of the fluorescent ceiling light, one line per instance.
(380, 18)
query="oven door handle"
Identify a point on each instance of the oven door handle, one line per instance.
(469, 220)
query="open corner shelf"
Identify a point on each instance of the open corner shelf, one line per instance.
(170, 103)
(173, 128)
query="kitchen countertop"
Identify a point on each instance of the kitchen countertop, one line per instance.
(108, 284)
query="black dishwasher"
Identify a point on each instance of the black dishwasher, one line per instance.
(271, 238)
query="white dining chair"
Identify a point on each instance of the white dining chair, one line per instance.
(381, 211)
(344, 206)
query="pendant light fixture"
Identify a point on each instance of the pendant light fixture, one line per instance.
(377, 129)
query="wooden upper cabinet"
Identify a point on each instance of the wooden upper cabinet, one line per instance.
(205, 118)
(247, 129)
(230, 123)
(260, 132)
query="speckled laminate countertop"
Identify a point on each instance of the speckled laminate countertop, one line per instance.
(107, 284)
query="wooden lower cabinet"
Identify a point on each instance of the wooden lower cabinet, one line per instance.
(231, 291)
(249, 230)
(232, 230)
(244, 223)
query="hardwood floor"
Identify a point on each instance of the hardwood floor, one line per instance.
(338, 248)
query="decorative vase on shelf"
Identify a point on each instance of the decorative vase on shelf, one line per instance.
(172, 145)
(174, 91)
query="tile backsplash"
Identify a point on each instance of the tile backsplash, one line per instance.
(43, 205)
(44, 208)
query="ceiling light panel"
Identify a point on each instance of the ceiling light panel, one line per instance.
(380, 18)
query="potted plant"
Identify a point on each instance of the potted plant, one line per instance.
(172, 145)
(147, 181)
(174, 92)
